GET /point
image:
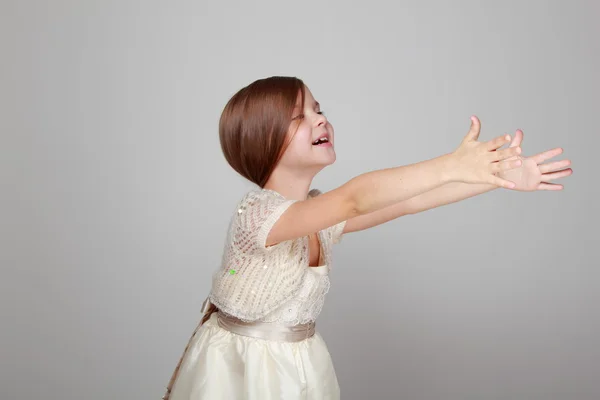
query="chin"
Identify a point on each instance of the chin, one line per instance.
(329, 161)
(323, 160)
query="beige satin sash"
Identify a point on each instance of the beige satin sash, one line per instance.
(206, 307)
(266, 330)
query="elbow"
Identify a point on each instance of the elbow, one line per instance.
(353, 207)
(354, 211)
(353, 201)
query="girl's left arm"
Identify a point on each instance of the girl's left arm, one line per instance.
(531, 176)
(447, 194)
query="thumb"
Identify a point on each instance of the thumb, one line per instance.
(518, 139)
(473, 133)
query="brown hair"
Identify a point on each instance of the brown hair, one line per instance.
(254, 124)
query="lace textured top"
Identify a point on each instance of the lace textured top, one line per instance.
(275, 283)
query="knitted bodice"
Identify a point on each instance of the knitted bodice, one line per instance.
(306, 305)
(272, 283)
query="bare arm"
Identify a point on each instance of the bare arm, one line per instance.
(532, 175)
(449, 193)
(472, 162)
(380, 189)
(361, 195)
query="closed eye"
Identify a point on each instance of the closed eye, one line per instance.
(301, 116)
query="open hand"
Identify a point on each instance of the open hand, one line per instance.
(482, 162)
(532, 175)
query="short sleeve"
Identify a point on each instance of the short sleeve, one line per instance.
(336, 231)
(258, 211)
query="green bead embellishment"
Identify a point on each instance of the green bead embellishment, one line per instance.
(232, 271)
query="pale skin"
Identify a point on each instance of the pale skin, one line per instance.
(532, 175)
(377, 197)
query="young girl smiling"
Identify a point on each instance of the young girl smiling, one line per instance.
(257, 339)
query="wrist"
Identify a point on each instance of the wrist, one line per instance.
(448, 168)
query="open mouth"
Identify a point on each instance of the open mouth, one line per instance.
(320, 141)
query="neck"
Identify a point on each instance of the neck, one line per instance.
(292, 186)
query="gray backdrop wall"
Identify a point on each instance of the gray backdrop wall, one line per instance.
(116, 197)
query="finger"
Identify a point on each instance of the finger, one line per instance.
(557, 175)
(549, 186)
(546, 155)
(505, 153)
(505, 165)
(554, 166)
(474, 130)
(517, 139)
(497, 142)
(494, 180)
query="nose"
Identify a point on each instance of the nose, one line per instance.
(321, 120)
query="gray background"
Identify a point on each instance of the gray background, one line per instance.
(116, 197)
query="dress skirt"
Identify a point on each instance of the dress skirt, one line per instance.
(222, 365)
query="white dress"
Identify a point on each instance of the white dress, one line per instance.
(220, 364)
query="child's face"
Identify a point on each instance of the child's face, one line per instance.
(309, 124)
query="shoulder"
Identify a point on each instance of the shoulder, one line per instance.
(256, 197)
(255, 215)
(260, 203)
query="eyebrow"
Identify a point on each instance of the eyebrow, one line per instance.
(315, 104)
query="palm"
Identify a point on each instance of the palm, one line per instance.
(533, 174)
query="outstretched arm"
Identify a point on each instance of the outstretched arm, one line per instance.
(447, 194)
(472, 162)
(531, 176)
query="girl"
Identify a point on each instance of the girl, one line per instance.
(257, 338)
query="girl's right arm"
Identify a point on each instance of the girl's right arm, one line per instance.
(472, 162)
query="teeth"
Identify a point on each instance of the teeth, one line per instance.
(322, 140)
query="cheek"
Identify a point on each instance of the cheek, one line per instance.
(303, 136)
(302, 140)
(299, 147)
